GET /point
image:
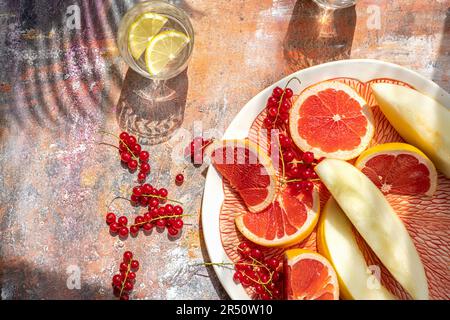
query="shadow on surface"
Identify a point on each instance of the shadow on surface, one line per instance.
(315, 35)
(58, 74)
(441, 68)
(20, 281)
(143, 112)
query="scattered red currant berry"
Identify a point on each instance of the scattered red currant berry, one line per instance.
(179, 179)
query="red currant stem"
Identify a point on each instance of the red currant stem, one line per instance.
(129, 150)
(220, 264)
(282, 95)
(298, 180)
(301, 161)
(109, 144)
(155, 196)
(161, 217)
(126, 277)
(281, 156)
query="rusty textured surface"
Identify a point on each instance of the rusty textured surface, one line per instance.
(58, 87)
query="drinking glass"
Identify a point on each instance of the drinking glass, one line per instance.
(335, 4)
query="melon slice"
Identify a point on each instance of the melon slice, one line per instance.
(336, 241)
(419, 119)
(376, 221)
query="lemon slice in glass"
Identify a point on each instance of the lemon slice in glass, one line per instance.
(142, 31)
(164, 48)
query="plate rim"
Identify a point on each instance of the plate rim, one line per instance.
(236, 130)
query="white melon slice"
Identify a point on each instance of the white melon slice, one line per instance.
(376, 221)
(336, 241)
(419, 119)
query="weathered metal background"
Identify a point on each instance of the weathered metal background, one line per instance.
(59, 86)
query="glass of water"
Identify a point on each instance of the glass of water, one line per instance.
(335, 4)
(156, 39)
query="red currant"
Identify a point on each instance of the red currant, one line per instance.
(145, 167)
(308, 185)
(237, 276)
(122, 221)
(161, 211)
(307, 173)
(134, 198)
(123, 232)
(259, 289)
(147, 226)
(114, 227)
(134, 230)
(110, 218)
(179, 179)
(153, 203)
(117, 280)
(308, 157)
(272, 111)
(125, 157)
(267, 123)
(178, 210)
(143, 156)
(131, 141)
(285, 141)
(288, 156)
(163, 192)
(177, 224)
(272, 102)
(132, 165)
(127, 256)
(137, 191)
(146, 188)
(123, 267)
(141, 176)
(256, 254)
(125, 297)
(288, 93)
(128, 286)
(134, 265)
(168, 209)
(272, 263)
(131, 275)
(123, 136)
(277, 92)
(172, 231)
(136, 149)
(161, 223)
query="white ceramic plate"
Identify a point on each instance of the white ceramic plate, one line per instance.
(213, 195)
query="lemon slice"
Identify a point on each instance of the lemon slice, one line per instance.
(164, 48)
(142, 31)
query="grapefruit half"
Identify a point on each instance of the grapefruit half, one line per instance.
(309, 276)
(331, 120)
(288, 220)
(399, 168)
(248, 169)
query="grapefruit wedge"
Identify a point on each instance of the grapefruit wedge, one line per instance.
(309, 276)
(331, 120)
(288, 220)
(399, 168)
(248, 169)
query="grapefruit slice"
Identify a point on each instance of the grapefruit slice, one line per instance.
(331, 120)
(309, 276)
(399, 168)
(249, 171)
(288, 220)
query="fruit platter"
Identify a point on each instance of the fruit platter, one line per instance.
(333, 183)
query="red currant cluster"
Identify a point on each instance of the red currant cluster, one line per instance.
(263, 275)
(278, 106)
(196, 149)
(123, 283)
(132, 155)
(159, 214)
(298, 166)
